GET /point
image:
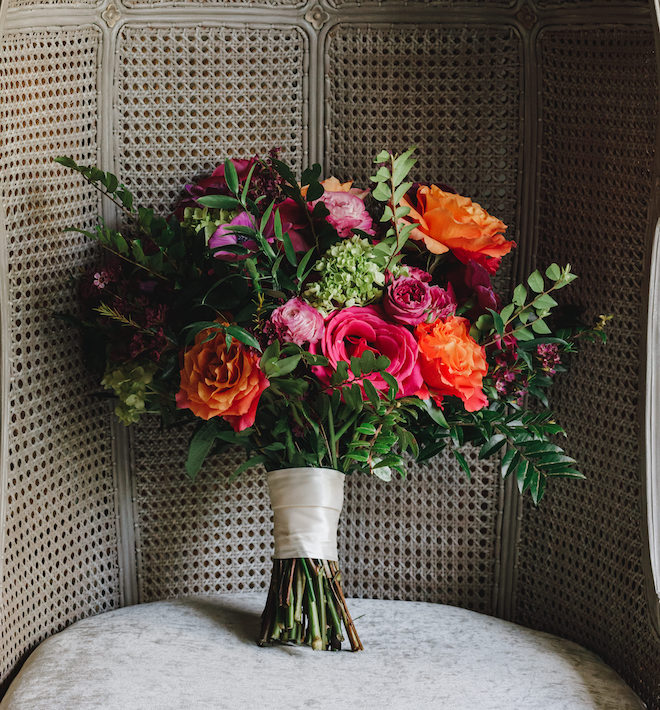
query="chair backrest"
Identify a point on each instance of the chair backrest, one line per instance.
(543, 112)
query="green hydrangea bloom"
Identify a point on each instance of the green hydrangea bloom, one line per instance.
(198, 218)
(352, 274)
(129, 383)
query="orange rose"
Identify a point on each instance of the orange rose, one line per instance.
(221, 381)
(448, 221)
(451, 361)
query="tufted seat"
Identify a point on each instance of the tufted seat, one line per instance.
(201, 653)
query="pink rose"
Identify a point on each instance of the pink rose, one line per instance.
(407, 300)
(347, 212)
(353, 330)
(297, 322)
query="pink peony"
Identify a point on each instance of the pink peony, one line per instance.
(347, 212)
(407, 300)
(297, 322)
(351, 331)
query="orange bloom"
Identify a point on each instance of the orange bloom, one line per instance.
(448, 221)
(451, 361)
(332, 184)
(217, 381)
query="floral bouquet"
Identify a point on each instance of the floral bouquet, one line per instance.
(327, 330)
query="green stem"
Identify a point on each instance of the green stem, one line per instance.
(332, 438)
(320, 596)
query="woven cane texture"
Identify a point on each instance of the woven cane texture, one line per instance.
(203, 538)
(188, 97)
(454, 92)
(428, 537)
(580, 555)
(60, 556)
(430, 3)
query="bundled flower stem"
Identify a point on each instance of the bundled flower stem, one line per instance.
(306, 605)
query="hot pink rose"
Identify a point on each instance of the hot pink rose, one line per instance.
(297, 322)
(351, 331)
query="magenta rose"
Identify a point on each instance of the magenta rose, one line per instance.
(297, 322)
(407, 300)
(353, 330)
(443, 304)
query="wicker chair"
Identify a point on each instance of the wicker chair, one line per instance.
(545, 113)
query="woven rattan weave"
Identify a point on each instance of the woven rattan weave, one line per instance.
(543, 111)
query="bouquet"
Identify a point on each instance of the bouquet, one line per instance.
(321, 326)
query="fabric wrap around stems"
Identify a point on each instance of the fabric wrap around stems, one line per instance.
(306, 504)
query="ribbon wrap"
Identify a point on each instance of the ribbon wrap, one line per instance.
(306, 504)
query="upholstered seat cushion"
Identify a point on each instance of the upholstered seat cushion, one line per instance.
(188, 654)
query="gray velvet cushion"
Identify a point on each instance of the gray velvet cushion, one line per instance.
(189, 654)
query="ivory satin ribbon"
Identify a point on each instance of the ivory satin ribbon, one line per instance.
(306, 504)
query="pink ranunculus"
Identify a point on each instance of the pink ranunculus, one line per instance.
(407, 300)
(353, 330)
(347, 212)
(297, 322)
(443, 304)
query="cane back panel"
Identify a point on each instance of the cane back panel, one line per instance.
(60, 553)
(580, 557)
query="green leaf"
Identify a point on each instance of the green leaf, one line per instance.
(553, 272)
(314, 191)
(111, 182)
(231, 176)
(286, 365)
(436, 413)
(310, 174)
(523, 334)
(66, 161)
(250, 463)
(495, 443)
(519, 295)
(366, 428)
(510, 461)
(382, 192)
(241, 334)
(402, 166)
(544, 302)
(535, 281)
(200, 447)
(300, 271)
(356, 366)
(497, 321)
(248, 180)
(540, 326)
(288, 249)
(371, 392)
(382, 157)
(462, 462)
(507, 311)
(392, 384)
(219, 202)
